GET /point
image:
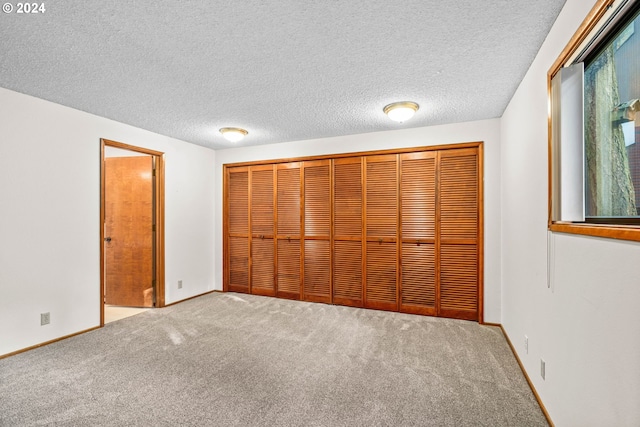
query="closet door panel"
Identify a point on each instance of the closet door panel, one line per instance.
(418, 228)
(418, 194)
(288, 217)
(381, 206)
(459, 281)
(348, 210)
(317, 231)
(317, 199)
(317, 270)
(262, 228)
(459, 196)
(262, 267)
(238, 199)
(237, 214)
(347, 273)
(418, 282)
(262, 200)
(459, 227)
(288, 269)
(238, 264)
(348, 198)
(381, 197)
(288, 238)
(381, 276)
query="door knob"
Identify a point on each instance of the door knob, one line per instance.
(107, 239)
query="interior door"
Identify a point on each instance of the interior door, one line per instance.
(128, 242)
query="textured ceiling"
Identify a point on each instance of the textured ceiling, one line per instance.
(284, 70)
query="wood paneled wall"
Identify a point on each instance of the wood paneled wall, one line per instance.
(392, 230)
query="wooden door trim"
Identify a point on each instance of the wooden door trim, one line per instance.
(159, 210)
(338, 157)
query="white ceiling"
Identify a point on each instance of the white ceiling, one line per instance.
(284, 70)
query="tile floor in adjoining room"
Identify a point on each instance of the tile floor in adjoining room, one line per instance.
(113, 312)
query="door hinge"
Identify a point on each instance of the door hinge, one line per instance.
(153, 172)
(153, 227)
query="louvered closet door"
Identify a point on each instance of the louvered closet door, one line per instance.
(347, 231)
(317, 231)
(238, 229)
(381, 204)
(288, 278)
(459, 218)
(262, 230)
(418, 202)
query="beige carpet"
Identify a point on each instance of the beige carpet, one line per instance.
(243, 360)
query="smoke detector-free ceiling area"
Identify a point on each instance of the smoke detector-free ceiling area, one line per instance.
(283, 70)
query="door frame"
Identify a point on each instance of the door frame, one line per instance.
(158, 181)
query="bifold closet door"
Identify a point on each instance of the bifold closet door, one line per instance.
(459, 218)
(237, 214)
(288, 218)
(317, 231)
(418, 210)
(348, 231)
(381, 218)
(262, 230)
(399, 232)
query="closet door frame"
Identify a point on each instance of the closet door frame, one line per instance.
(336, 159)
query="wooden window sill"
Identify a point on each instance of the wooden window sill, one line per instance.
(610, 231)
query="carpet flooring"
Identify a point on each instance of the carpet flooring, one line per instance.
(228, 359)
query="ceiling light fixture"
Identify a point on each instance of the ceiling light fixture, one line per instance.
(401, 111)
(233, 134)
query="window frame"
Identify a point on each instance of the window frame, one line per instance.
(611, 229)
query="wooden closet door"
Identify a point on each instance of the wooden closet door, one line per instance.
(381, 204)
(317, 231)
(237, 213)
(262, 231)
(288, 236)
(418, 213)
(348, 231)
(459, 218)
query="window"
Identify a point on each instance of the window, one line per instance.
(595, 126)
(611, 103)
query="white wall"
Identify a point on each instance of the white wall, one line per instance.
(586, 326)
(49, 217)
(487, 131)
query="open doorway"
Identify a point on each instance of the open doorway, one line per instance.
(131, 230)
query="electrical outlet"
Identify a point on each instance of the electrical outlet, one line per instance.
(542, 368)
(45, 319)
(179, 284)
(526, 344)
